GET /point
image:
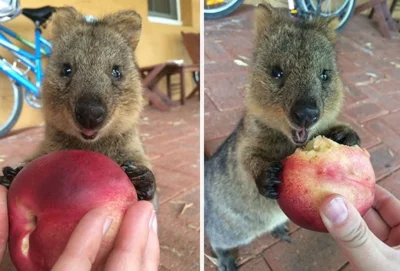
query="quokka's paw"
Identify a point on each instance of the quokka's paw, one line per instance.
(142, 178)
(267, 183)
(281, 232)
(9, 174)
(343, 134)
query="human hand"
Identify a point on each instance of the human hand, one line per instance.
(3, 221)
(368, 243)
(136, 246)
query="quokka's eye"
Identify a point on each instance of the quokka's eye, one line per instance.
(116, 73)
(66, 70)
(277, 72)
(324, 76)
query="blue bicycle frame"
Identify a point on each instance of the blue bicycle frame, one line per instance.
(33, 61)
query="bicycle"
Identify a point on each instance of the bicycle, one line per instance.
(215, 9)
(25, 61)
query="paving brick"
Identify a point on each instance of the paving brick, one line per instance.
(157, 151)
(392, 73)
(170, 135)
(349, 66)
(377, 96)
(208, 265)
(365, 111)
(171, 183)
(380, 129)
(212, 145)
(393, 121)
(389, 86)
(246, 253)
(396, 96)
(372, 96)
(257, 264)
(175, 186)
(226, 67)
(216, 88)
(309, 251)
(353, 95)
(178, 159)
(192, 169)
(261, 244)
(209, 105)
(368, 140)
(392, 183)
(179, 234)
(215, 50)
(221, 123)
(385, 134)
(384, 160)
(357, 79)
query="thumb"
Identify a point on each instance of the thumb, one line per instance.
(361, 247)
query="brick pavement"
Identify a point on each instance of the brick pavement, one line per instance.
(370, 67)
(172, 140)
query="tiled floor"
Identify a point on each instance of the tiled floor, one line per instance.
(172, 140)
(370, 66)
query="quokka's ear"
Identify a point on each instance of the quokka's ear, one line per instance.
(265, 16)
(327, 26)
(64, 19)
(128, 23)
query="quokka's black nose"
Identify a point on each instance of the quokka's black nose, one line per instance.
(90, 114)
(305, 113)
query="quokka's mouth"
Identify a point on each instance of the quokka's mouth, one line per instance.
(300, 135)
(89, 134)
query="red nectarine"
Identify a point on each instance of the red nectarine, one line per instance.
(51, 194)
(322, 168)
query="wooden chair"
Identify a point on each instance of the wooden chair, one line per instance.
(152, 75)
(191, 42)
(392, 8)
(382, 14)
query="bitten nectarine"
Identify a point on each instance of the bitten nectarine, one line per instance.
(322, 168)
(51, 194)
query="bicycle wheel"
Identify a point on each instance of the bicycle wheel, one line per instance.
(11, 113)
(343, 9)
(215, 10)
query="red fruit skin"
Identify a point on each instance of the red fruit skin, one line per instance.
(59, 189)
(306, 182)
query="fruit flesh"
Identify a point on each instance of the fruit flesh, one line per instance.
(322, 168)
(49, 197)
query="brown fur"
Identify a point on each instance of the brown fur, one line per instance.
(92, 50)
(237, 207)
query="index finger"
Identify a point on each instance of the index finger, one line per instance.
(84, 243)
(387, 205)
(3, 220)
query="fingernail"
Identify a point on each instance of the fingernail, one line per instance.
(107, 224)
(336, 210)
(153, 222)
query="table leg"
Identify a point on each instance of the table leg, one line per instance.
(169, 86)
(383, 25)
(183, 91)
(388, 17)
